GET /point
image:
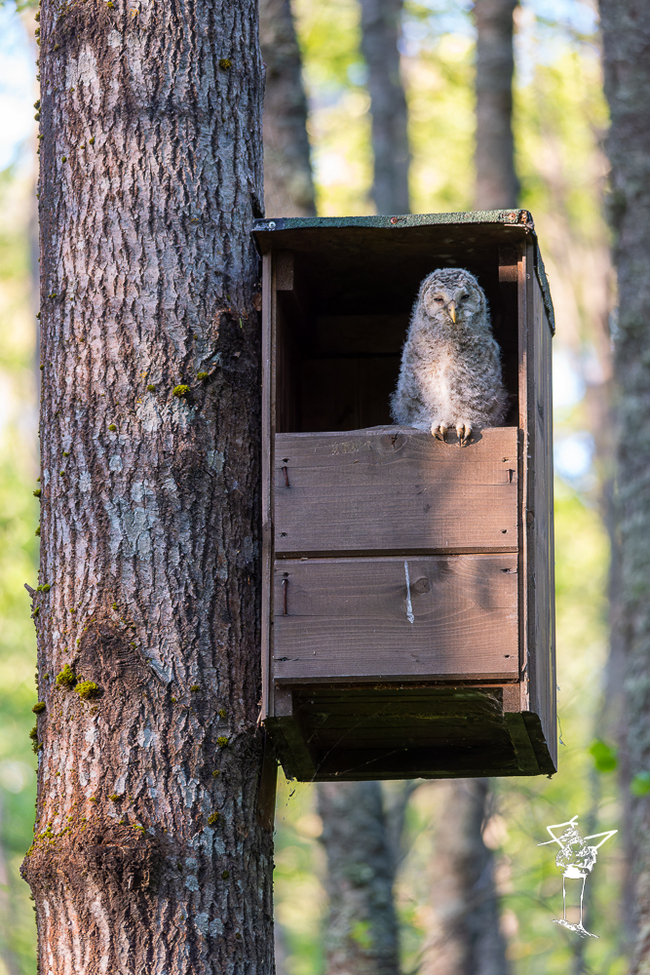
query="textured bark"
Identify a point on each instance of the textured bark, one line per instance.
(626, 43)
(361, 935)
(381, 28)
(466, 939)
(496, 182)
(288, 183)
(148, 856)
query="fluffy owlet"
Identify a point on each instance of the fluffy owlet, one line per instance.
(451, 365)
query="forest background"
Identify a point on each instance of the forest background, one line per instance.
(560, 122)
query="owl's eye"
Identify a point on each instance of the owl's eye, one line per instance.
(439, 300)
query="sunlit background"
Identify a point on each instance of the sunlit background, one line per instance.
(560, 122)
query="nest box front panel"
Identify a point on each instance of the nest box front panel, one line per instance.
(395, 491)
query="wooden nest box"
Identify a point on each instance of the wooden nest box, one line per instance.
(408, 614)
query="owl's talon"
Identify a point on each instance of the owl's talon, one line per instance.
(464, 431)
(439, 430)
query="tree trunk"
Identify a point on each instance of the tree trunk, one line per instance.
(361, 935)
(466, 939)
(381, 27)
(496, 182)
(148, 855)
(288, 183)
(626, 43)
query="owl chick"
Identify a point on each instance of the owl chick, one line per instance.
(450, 374)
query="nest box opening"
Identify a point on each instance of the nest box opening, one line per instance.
(408, 620)
(343, 313)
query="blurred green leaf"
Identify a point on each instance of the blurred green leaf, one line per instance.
(604, 756)
(640, 784)
(360, 934)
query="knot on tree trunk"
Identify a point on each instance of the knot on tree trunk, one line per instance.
(118, 858)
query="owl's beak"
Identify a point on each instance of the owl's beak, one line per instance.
(451, 308)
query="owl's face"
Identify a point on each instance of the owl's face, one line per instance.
(452, 297)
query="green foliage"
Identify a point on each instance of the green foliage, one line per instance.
(604, 756)
(299, 864)
(640, 784)
(339, 123)
(441, 125)
(561, 118)
(361, 935)
(21, 5)
(18, 515)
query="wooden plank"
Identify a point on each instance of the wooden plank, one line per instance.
(508, 261)
(524, 472)
(457, 731)
(268, 444)
(267, 789)
(297, 760)
(526, 757)
(544, 745)
(407, 735)
(453, 617)
(395, 490)
(287, 370)
(284, 271)
(401, 763)
(387, 711)
(539, 521)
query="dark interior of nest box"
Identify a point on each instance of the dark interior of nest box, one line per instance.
(344, 300)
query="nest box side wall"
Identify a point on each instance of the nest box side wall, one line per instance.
(538, 603)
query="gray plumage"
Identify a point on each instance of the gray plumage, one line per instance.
(450, 375)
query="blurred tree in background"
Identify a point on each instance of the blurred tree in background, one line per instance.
(381, 29)
(497, 186)
(626, 48)
(288, 183)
